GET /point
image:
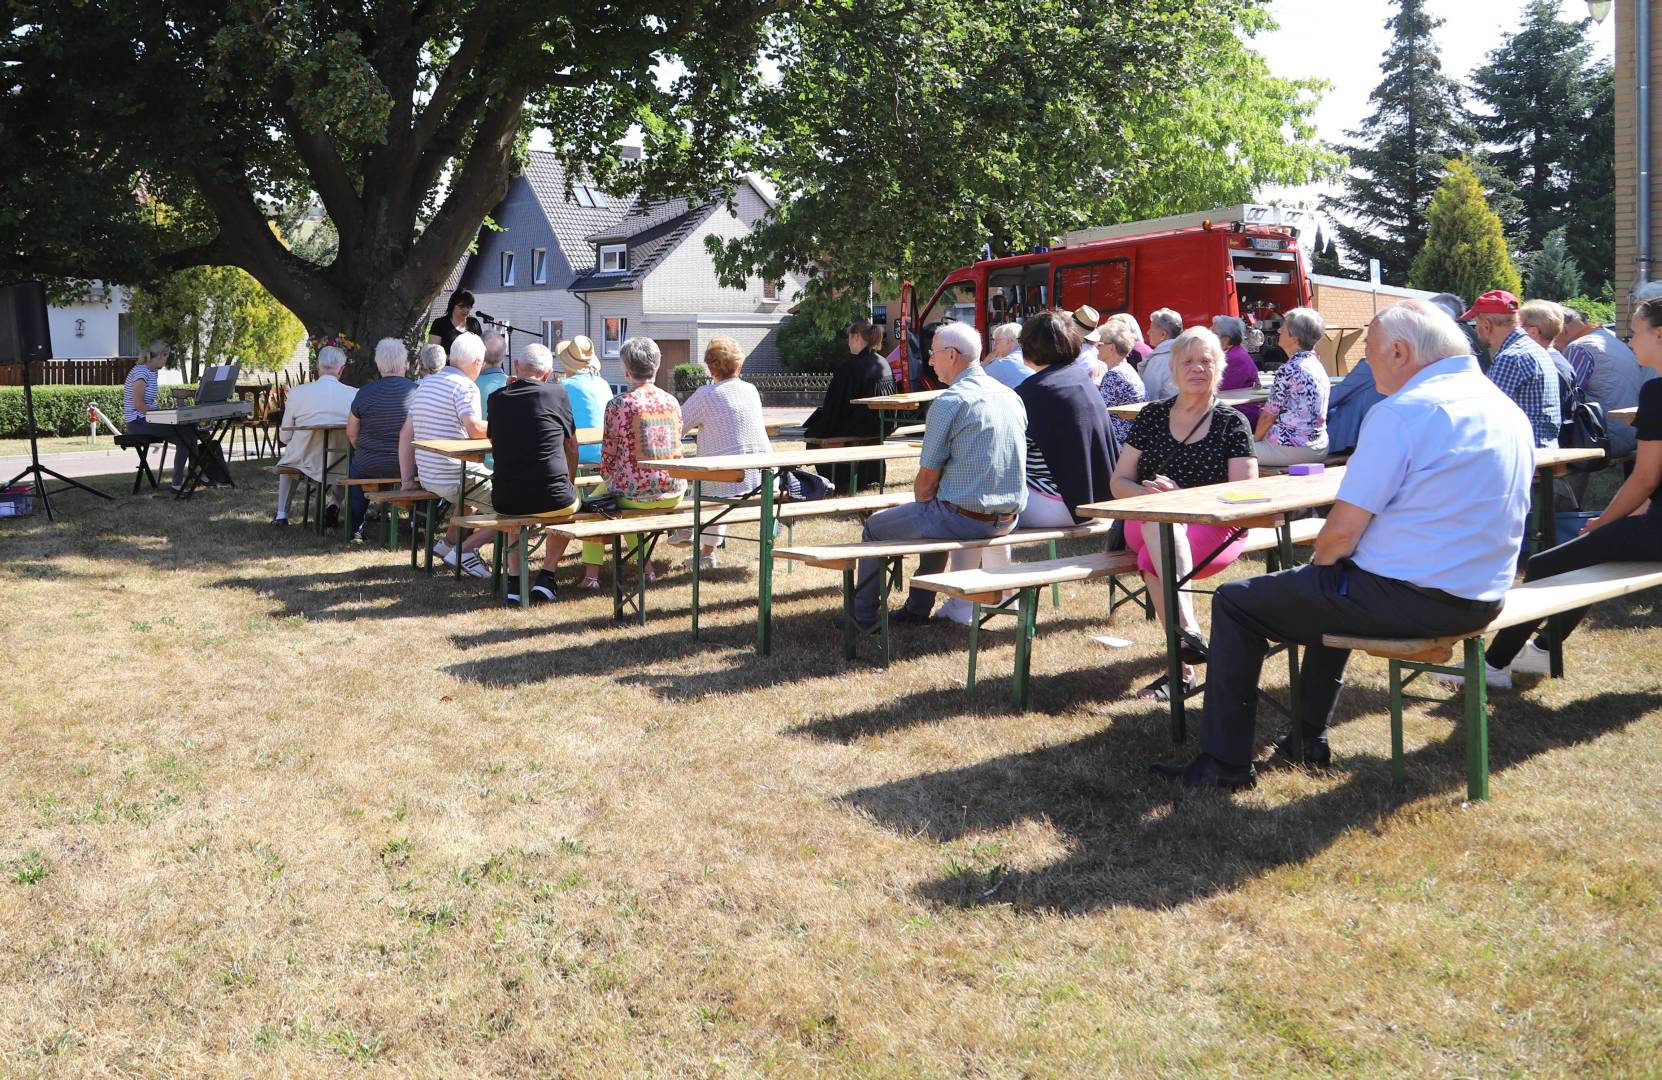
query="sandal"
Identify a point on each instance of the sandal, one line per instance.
(589, 584)
(1160, 689)
(1192, 648)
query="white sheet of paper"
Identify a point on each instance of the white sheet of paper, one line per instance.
(1109, 642)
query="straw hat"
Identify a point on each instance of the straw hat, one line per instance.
(1086, 318)
(577, 356)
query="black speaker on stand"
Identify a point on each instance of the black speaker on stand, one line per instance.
(26, 338)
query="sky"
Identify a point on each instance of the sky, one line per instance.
(1342, 40)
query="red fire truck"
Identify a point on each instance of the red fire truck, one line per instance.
(1240, 260)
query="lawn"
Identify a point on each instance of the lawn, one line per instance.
(271, 805)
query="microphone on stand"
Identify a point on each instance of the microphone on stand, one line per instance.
(485, 317)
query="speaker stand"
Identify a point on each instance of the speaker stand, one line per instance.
(35, 468)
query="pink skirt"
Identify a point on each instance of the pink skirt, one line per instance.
(1203, 540)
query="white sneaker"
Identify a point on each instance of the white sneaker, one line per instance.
(1532, 660)
(679, 538)
(442, 551)
(961, 612)
(473, 564)
(1495, 678)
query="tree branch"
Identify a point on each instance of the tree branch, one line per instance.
(323, 162)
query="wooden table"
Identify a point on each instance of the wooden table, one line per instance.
(1242, 396)
(894, 408)
(730, 468)
(1626, 416)
(1203, 506)
(323, 484)
(1549, 464)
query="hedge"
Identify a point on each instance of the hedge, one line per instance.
(59, 410)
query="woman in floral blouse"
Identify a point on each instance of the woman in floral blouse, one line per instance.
(1121, 385)
(641, 425)
(1292, 429)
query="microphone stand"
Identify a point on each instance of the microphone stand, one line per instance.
(510, 331)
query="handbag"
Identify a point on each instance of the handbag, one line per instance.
(1585, 427)
(606, 505)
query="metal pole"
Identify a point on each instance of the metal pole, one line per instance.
(1641, 54)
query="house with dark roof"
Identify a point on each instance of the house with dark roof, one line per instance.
(558, 265)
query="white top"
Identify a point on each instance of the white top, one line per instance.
(1158, 383)
(438, 405)
(325, 400)
(728, 418)
(1444, 465)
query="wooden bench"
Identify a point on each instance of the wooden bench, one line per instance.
(409, 499)
(1525, 604)
(654, 523)
(846, 559)
(1020, 583)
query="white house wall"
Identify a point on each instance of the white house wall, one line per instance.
(99, 325)
(685, 280)
(526, 308)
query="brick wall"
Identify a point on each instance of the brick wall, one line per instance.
(1627, 171)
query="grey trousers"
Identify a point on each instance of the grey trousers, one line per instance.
(1300, 606)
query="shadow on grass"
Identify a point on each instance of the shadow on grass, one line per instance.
(1137, 842)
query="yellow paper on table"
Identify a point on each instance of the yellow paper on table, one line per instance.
(1239, 498)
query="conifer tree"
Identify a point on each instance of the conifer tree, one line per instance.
(1534, 98)
(1552, 272)
(1465, 247)
(1397, 156)
(1591, 214)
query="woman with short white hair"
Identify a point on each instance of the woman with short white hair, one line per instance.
(1121, 385)
(378, 412)
(432, 360)
(1139, 348)
(1292, 429)
(1191, 440)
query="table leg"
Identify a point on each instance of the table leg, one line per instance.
(697, 550)
(346, 511)
(323, 485)
(459, 510)
(1295, 737)
(1174, 658)
(764, 572)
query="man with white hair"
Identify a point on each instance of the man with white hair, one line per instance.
(431, 360)
(972, 474)
(1164, 326)
(323, 401)
(1607, 370)
(1422, 542)
(494, 375)
(378, 414)
(447, 406)
(534, 439)
(1004, 363)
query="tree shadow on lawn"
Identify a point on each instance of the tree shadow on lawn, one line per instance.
(1139, 842)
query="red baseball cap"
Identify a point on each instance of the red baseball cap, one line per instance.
(1493, 302)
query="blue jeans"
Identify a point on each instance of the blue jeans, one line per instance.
(932, 520)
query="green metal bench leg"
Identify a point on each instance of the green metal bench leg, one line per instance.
(764, 571)
(698, 524)
(850, 631)
(1024, 646)
(1055, 590)
(975, 644)
(1399, 776)
(643, 562)
(1295, 731)
(389, 525)
(1477, 722)
(498, 584)
(524, 567)
(429, 530)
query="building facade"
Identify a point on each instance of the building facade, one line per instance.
(1629, 258)
(564, 263)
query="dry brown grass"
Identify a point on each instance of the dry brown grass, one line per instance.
(270, 806)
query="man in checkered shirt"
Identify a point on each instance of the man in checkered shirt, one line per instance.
(1522, 369)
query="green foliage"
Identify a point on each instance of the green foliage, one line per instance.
(1397, 155)
(902, 138)
(1465, 247)
(1552, 273)
(1535, 93)
(59, 410)
(1591, 210)
(216, 314)
(689, 376)
(815, 338)
(1601, 311)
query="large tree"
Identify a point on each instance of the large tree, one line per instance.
(1397, 156)
(905, 137)
(1535, 98)
(402, 116)
(1591, 164)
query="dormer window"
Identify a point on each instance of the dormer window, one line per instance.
(613, 258)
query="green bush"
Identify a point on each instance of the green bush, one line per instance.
(59, 410)
(689, 376)
(1601, 312)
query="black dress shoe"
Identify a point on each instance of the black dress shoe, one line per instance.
(331, 517)
(280, 522)
(908, 617)
(1207, 771)
(1317, 754)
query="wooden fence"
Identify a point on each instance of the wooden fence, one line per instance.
(108, 372)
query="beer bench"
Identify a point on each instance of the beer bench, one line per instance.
(1525, 604)
(411, 498)
(846, 558)
(1025, 580)
(649, 528)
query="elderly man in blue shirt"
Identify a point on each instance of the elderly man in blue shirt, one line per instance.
(972, 475)
(1423, 541)
(1521, 368)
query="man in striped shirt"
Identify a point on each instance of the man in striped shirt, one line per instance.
(447, 406)
(138, 398)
